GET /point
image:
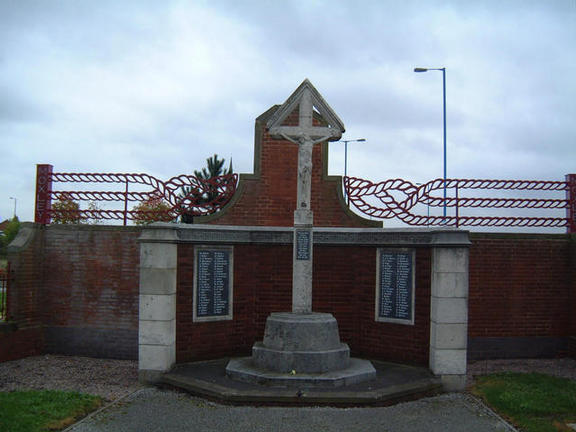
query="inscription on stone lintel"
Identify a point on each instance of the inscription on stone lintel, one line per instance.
(395, 286)
(303, 245)
(213, 283)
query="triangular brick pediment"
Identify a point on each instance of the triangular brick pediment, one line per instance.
(333, 129)
(268, 196)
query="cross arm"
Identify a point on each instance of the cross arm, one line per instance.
(315, 133)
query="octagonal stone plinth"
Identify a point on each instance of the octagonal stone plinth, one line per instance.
(302, 361)
(301, 349)
(243, 369)
(287, 331)
(307, 343)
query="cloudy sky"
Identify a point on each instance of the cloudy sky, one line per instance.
(158, 86)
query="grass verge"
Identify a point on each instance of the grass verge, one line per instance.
(533, 402)
(47, 410)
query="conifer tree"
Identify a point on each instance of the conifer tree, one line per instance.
(214, 168)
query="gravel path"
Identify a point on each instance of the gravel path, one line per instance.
(112, 379)
(564, 367)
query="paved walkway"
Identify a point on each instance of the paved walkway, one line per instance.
(153, 410)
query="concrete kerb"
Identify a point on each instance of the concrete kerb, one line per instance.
(489, 411)
(103, 408)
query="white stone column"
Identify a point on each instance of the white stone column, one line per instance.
(157, 310)
(303, 233)
(302, 258)
(449, 316)
(306, 97)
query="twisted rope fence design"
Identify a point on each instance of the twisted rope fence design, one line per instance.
(183, 195)
(393, 198)
(380, 200)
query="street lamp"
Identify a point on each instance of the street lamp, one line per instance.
(346, 158)
(444, 99)
(15, 201)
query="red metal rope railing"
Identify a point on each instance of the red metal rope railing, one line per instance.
(183, 194)
(380, 200)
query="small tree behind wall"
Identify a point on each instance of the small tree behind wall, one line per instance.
(66, 210)
(214, 168)
(9, 234)
(154, 209)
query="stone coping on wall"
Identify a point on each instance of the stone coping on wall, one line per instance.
(521, 236)
(218, 234)
(23, 238)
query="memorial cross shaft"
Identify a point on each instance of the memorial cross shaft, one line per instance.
(305, 135)
(303, 215)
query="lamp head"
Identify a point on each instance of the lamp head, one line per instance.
(420, 70)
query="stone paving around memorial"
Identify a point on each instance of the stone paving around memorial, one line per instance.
(112, 379)
(152, 410)
(116, 379)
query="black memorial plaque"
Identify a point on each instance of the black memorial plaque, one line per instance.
(303, 245)
(396, 288)
(212, 283)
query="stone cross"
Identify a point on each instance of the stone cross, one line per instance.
(306, 97)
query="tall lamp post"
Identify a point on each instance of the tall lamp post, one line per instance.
(444, 99)
(15, 201)
(346, 158)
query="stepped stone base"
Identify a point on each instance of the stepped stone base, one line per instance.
(301, 350)
(393, 383)
(300, 361)
(301, 331)
(243, 369)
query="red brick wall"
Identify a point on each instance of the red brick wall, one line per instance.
(20, 343)
(262, 284)
(24, 336)
(77, 288)
(76, 292)
(90, 288)
(521, 288)
(91, 276)
(344, 285)
(268, 197)
(521, 292)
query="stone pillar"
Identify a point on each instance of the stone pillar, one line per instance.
(157, 327)
(449, 316)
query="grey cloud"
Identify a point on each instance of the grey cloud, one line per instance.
(16, 108)
(159, 86)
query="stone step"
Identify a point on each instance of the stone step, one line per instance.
(244, 369)
(318, 361)
(393, 383)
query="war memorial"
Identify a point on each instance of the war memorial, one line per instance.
(286, 295)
